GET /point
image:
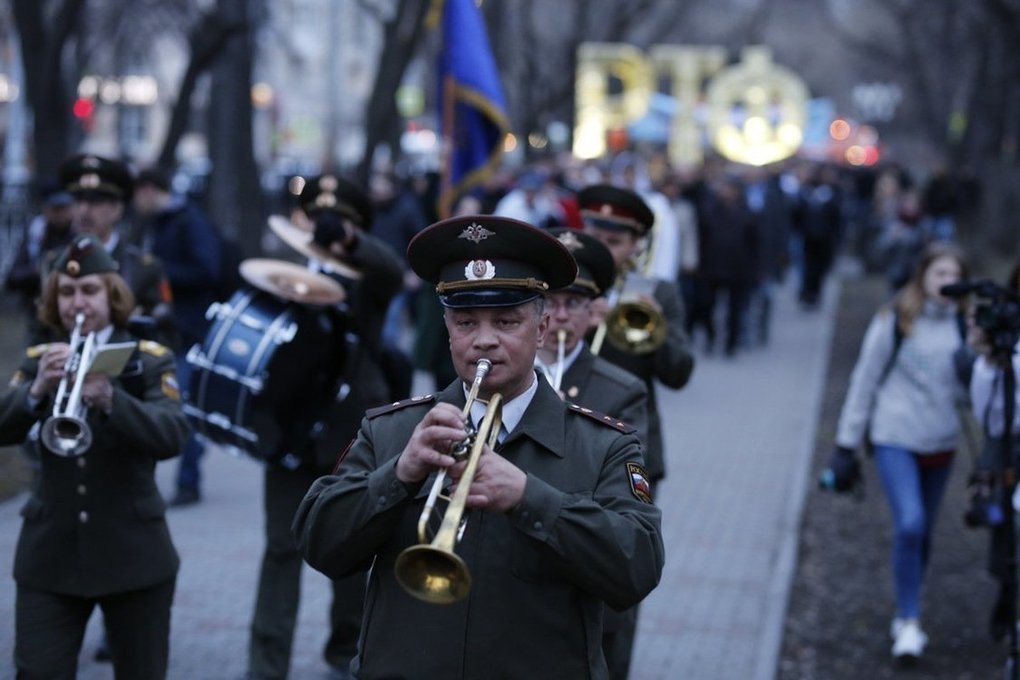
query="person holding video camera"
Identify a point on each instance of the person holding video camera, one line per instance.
(993, 335)
(902, 400)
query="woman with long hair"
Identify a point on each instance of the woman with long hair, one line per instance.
(902, 399)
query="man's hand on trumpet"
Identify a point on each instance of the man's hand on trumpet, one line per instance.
(498, 484)
(430, 444)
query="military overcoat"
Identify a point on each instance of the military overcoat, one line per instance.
(584, 533)
(94, 525)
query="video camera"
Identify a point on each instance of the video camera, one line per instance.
(997, 312)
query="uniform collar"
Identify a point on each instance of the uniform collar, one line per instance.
(542, 421)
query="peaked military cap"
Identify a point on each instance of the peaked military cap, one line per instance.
(86, 255)
(332, 192)
(489, 261)
(615, 208)
(596, 269)
(87, 176)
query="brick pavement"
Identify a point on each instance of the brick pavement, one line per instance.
(739, 438)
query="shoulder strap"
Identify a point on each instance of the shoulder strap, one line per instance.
(897, 342)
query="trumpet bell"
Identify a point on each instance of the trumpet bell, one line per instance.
(433, 575)
(66, 436)
(635, 327)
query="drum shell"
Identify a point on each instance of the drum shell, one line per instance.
(266, 368)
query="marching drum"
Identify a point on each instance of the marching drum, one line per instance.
(273, 354)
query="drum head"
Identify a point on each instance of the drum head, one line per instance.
(301, 240)
(292, 282)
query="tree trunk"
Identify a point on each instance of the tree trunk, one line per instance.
(234, 193)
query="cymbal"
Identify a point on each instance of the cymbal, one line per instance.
(291, 282)
(301, 240)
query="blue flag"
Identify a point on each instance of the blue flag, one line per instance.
(472, 110)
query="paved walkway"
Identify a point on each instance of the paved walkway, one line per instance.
(740, 437)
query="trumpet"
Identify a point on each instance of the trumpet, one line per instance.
(432, 571)
(66, 433)
(632, 326)
(561, 344)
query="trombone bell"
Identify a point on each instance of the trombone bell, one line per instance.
(635, 327)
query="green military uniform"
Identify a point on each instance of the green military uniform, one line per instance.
(581, 536)
(595, 383)
(371, 273)
(94, 530)
(617, 209)
(583, 533)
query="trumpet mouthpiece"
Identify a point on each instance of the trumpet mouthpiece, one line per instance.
(481, 368)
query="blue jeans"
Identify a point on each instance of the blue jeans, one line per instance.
(188, 474)
(914, 493)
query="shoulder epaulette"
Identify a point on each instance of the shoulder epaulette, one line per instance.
(153, 348)
(612, 422)
(397, 405)
(36, 351)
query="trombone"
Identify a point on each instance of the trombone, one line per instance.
(432, 571)
(66, 433)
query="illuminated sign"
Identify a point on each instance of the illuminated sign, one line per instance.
(751, 112)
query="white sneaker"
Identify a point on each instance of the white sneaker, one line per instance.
(910, 641)
(896, 626)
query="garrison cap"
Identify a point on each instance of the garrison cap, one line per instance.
(596, 269)
(86, 177)
(615, 208)
(86, 255)
(332, 192)
(489, 261)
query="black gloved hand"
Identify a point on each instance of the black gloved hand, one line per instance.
(330, 229)
(843, 473)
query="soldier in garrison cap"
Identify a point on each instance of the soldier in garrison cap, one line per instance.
(101, 187)
(588, 380)
(560, 517)
(619, 218)
(94, 531)
(341, 245)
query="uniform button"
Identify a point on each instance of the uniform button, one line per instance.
(382, 500)
(537, 525)
(83, 517)
(81, 461)
(81, 489)
(525, 514)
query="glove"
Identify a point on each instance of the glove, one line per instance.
(843, 473)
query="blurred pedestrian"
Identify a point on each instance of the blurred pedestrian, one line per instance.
(44, 236)
(902, 399)
(189, 247)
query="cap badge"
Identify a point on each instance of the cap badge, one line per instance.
(325, 200)
(73, 267)
(478, 270)
(89, 181)
(476, 233)
(90, 162)
(328, 183)
(606, 209)
(571, 241)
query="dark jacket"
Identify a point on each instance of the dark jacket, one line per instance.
(671, 364)
(580, 536)
(595, 383)
(94, 525)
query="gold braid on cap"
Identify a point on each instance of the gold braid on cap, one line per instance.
(529, 283)
(586, 283)
(607, 216)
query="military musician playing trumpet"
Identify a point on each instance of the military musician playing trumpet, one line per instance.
(94, 531)
(621, 220)
(557, 517)
(592, 382)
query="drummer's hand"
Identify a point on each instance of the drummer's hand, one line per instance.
(51, 370)
(430, 443)
(599, 308)
(498, 484)
(97, 392)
